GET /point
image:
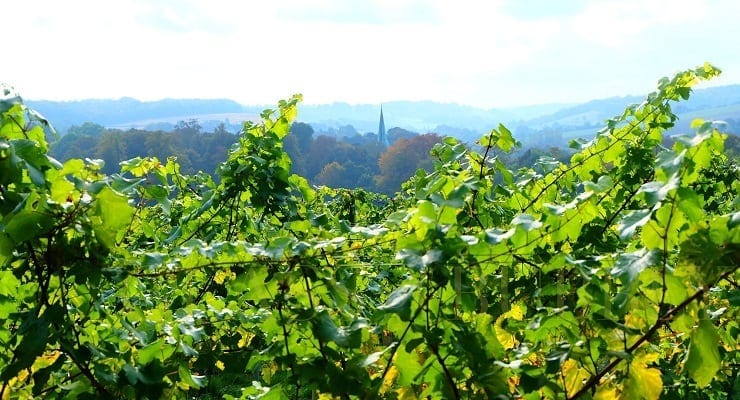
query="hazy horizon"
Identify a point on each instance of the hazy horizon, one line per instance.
(489, 55)
(338, 102)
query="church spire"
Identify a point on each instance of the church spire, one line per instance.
(382, 137)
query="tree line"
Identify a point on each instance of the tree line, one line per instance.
(356, 161)
(351, 161)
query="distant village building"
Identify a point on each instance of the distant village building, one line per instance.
(382, 136)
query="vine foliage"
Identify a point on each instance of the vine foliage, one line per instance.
(612, 276)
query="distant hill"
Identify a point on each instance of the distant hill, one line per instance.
(465, 122)
(593, 112)
(717, 102)
(528, 112)
(124, 112)
(414, 115)
(127, 113)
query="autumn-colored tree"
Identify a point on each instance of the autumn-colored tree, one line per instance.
(332, 175)
(404, 158)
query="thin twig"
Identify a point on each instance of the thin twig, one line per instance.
(448, 375)
(418, 311)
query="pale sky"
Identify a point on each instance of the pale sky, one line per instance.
(495, 53)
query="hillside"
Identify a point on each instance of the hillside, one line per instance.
(127, 112)
(464, 122)
(711, 103)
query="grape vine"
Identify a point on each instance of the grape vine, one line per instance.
(611, 277)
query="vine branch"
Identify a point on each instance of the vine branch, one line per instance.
(665, 319)
(418, 311)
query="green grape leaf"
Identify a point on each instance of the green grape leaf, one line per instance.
(704, 360)
(670, 162)
(657, 191)
(629, 265)
(690, 204)
(155, 350)
(193, 381)
(527, 222)
(344, 336)
(399, 301)
(629, 223)
(411, 258)
(35, 333)
(29, 220)
(496, 236)
(114, 214)
(505, 140)
(604, 183)
(409, 365)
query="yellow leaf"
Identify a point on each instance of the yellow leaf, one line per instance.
(696, 123)
(642, 383)
(220, 365)
(517, 312)
(221, 276)
(534, 359)
(574, 376)
(45, 360)
(605, 393)
(389, 379)
(507, 339)
(22, 375)
(513, 382)
(246, 339)
(268, 371)
(405, 393)
(634, 321)
(647, 358)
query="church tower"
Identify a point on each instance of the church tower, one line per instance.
(382, 136)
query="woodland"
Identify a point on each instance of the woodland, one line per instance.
(349, 162)
(609, 272)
